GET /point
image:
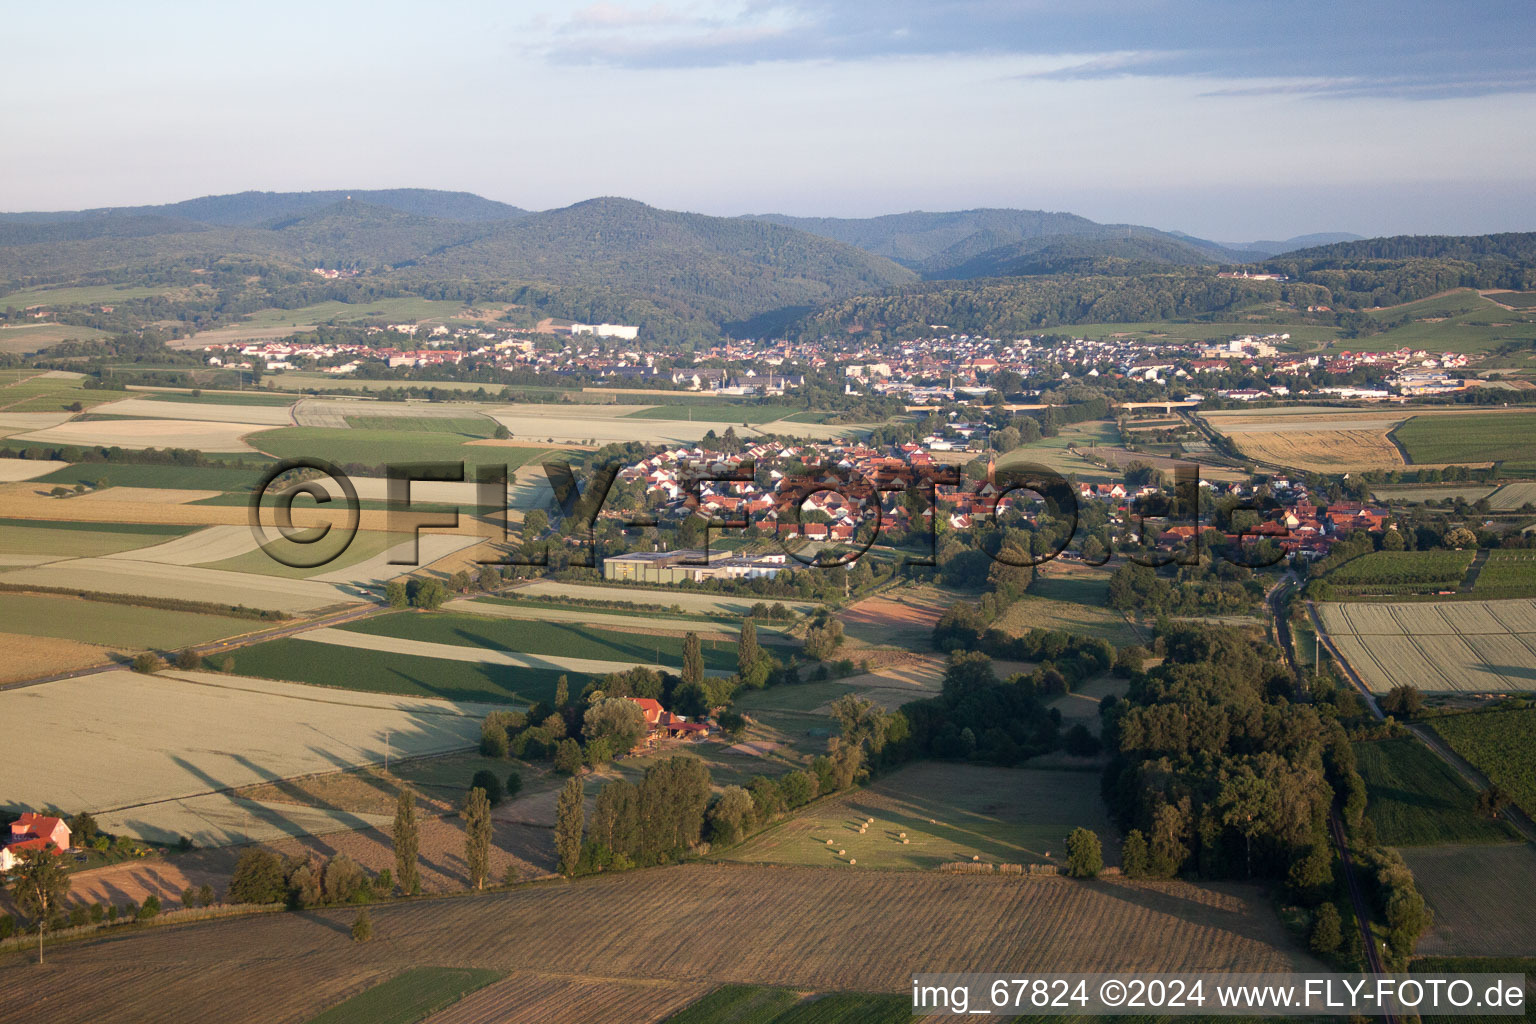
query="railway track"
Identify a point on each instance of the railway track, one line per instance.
(1276, 603)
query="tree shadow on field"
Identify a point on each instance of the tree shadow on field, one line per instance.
(1243, 922)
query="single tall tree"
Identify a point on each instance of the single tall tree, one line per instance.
(570, 822)
(477, 836)
(407, 842)
(40, 885)
(562, 691)
(747, 650)
(693, 659)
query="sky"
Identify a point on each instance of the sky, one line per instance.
(1235, 121)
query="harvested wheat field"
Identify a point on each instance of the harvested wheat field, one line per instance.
(17, 470)
(1322, 451)
(26, 657)
(186, 583)
(141, 742)
(213, 544)
(201, 435)
(716, 925)
(148, 495)
(903, 617)
(207, 412)
(1467, 646)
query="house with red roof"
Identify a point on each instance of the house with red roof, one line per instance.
(34, 831)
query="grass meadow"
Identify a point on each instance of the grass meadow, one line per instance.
(411, 996)
(1477, 437)
(114, 625)
(1416, 799)
(302, 661)
(567, 639)
(949, 812)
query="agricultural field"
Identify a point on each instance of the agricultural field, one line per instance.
(77, 295)
(377, 671)
(149, 407)
(1507, 570)
(752, 1004)
(478, 427)
(199, 478)
(382, 447)
(1403, 572)
(1314, 439)
(19, 339)
(202, 435)
(949, 812)
(1503, 437)
(1417, 493)
(1416, 799)
(130, 578)
(1501, 745)
(409, 997)
(118, 626)
(255, 398)
(1056, 452)
(29, 657)
(719, 924)
(1512, 496)
(174, 739)
(903, 617)
(1481, 896)
(643, 645)
(1075, 601)
(50, 392)
(678, 598)
(1452, 646)
(24, 537)
(1461, 321)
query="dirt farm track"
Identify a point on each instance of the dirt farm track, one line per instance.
(694, 926)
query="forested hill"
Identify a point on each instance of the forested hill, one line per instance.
(970, 243)
(724, 267)
(1015, 307)
(251, 209)
(1514, 246)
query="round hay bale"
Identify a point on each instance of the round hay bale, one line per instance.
(976, 856)
(903, 835)
(852, 862)
(829, 842)
(904, 842)
(841, 852)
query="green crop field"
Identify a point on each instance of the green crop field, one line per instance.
(1501, 745)
(219, 398)
(1076, 603)
(365, 545)
(80, 295)
(1508, 569)
(1477, 437)
(566, 639)
(50, 394)
(406, 308)
(120, 474)
(114, 625)
(1053, 453)
(1416, 799)
(477, 427)
(80, 540)
(1462, 321)
(949, 812)
(730, 414)
(754, 1004)
(302, 661)
(409, 997)
(382, 447)
(1404, 569)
